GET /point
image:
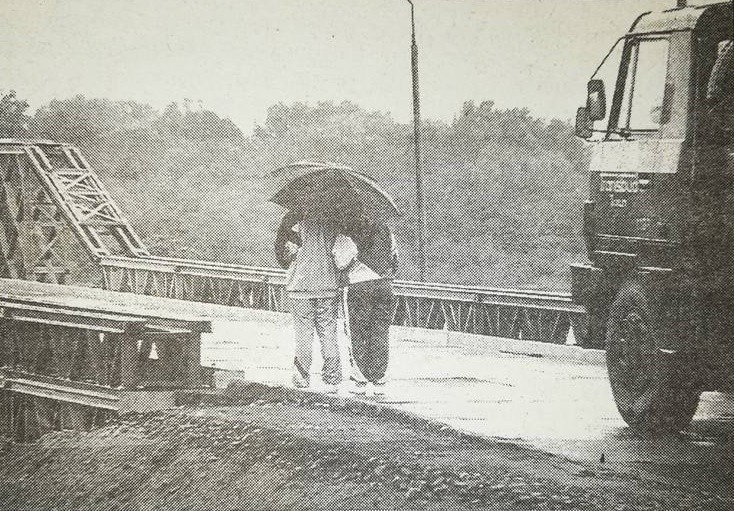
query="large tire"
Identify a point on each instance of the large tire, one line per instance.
(653, 390)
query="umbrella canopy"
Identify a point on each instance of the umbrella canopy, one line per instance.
(333, 190)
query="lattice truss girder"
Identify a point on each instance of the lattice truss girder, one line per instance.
(93, 357)
(33, 228)
(53, 207)
(502, 320)
(88, 204)
(511, 321)
(232, 292)
(11, 214)
(27, 418)
(66, 366)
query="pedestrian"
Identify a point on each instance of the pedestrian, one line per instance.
(312, 291)
(367, 254)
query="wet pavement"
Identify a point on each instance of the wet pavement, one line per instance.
(513, 390)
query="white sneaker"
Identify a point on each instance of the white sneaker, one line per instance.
(369, 389)
(335, 390)
(380, 388)
(330, 388)
(300, 382)
(358, 387)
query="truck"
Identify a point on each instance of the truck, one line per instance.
(658, 226)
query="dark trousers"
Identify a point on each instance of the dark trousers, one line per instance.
(370, 314)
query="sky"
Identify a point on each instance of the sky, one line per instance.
(238, 57)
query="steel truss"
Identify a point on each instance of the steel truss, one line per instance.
(54, 209)
(69, 356)
(519, 314)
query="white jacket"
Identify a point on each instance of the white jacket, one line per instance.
(346, 258)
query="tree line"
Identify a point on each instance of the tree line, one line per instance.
(503, 188)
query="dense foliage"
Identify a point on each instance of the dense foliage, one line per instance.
(13, 118)
(504, 189)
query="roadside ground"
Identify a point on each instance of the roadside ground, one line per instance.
(468, 422)
(260, 447)
(550, 397)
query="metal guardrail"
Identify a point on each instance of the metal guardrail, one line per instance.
(514, 313)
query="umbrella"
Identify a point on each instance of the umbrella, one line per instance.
(333, 190)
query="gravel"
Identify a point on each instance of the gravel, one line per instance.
(283, 452)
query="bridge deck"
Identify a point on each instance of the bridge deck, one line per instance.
(556, 398)
(157, 311)
(487, 385)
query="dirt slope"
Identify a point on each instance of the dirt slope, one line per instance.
(282, 451)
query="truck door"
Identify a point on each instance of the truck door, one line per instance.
(638, 167)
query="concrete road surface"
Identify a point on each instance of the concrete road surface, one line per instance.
(550, 397)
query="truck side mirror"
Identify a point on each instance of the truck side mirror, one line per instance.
(596, 101)
(583, 123)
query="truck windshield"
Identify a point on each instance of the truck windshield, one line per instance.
(643, 107)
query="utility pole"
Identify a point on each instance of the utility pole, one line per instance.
(416, 134)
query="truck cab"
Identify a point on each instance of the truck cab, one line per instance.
(659, 221)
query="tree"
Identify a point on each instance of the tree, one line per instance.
(83, 121)
(13, 119)
(503, 187)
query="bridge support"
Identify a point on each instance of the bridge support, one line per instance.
(70, 357)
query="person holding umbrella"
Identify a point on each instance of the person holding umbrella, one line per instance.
(287, 239)
(327, 194)
(303, 243)
(366, 252)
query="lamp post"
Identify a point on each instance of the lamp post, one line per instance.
(416, 135)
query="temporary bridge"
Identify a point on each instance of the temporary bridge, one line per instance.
(68, 354)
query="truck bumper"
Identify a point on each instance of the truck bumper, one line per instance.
(585, 281)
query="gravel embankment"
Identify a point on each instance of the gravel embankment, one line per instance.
(279, 450)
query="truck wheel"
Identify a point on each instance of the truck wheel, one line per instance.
(654, 391)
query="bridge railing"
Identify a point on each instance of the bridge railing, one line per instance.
(520, 314)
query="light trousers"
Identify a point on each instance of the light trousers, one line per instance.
(316, 315)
